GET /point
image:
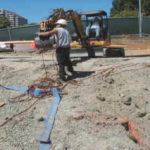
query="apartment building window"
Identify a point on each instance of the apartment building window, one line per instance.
(15, 19)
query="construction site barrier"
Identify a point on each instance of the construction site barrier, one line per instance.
(117, 26)
(19, 33)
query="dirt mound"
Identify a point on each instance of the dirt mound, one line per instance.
(90, 114)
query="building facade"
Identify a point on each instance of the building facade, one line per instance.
(15, 19)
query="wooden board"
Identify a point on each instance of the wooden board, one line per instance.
(116, 46)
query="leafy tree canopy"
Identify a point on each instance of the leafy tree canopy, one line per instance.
(4, 22)
(33, 23)
(125, 8)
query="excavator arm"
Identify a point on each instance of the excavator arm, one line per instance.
(76, 19)
(49, 24)
(84, 46)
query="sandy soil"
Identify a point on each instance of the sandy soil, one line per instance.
(132, 42)
(89, 115)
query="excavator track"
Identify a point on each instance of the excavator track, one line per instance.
(97, 52)
(83, 52)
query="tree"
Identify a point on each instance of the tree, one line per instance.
(125, 8)
(146, 7)
(26, 25)
(33, 23)
(4, 22)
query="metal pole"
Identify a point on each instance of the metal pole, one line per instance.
(140, 19)
(9, 33)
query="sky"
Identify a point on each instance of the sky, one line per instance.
(36, 10)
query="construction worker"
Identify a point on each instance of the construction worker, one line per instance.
(95, 25)
(63, 40)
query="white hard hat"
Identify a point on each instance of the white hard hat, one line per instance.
(62, 22)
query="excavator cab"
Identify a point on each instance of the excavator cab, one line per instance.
(97, 19)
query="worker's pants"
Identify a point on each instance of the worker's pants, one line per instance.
(97, 30)
(63, 59)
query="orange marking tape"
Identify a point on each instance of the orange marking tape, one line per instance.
(135, 134)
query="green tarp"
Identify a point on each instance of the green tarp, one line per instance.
(117, 26)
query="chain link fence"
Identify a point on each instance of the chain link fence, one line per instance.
(117, 26)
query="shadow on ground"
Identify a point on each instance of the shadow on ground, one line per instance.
(75, 62)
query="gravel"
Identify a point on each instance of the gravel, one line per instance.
(88, 116)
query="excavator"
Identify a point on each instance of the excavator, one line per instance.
(81, 46)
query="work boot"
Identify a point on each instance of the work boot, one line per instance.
(70, 69)
(74, 73)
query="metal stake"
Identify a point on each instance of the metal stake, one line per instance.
(140, 19)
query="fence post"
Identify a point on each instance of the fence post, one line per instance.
(8, 29)
(140, 19)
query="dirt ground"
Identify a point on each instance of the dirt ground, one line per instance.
(106, 107)
(132, 42)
